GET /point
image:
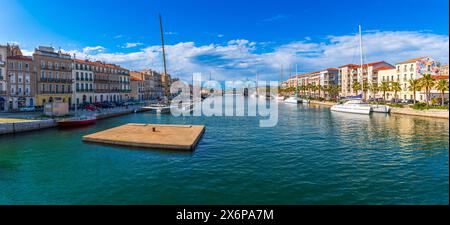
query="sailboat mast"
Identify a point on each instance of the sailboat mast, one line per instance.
(164, 56)
(361, 58)
(296, 79)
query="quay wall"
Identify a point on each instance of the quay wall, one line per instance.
(18, 127)
(12, 128)
(435, 113)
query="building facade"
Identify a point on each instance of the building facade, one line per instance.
(405, 71)
(83, 76)
(137, 88)
(367, 74)
(22, 83)
(111, 82)
(3, 84)
(54, 76)
(155, 84)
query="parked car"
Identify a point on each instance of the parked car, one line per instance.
(90, 107)
(407, 101)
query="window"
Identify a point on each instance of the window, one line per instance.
(43, 74)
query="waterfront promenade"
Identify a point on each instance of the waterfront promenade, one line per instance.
(433, 113)
(12, 123)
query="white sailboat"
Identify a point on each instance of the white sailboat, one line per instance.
(280, 97)
(356, 105)
(162, 108)
(353, 106)
(255, 94)
(294, 99)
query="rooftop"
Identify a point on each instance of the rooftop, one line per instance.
(412, 60)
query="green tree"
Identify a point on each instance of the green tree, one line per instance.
(414, 85)
(442, 86)
(373, 88)
(395, 86)
(427, 82)
(384, 88)
(365, 88)
(319, 88)
(356, 86)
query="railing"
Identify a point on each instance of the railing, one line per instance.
(54, 80)
(84, 79)
(54, 92)
(85, 90)
(101, 91)
(2, 92)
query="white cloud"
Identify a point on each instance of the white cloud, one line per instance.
(241, 58)
(132, 45)
(88, 50)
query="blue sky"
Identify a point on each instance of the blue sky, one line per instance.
(230, 38)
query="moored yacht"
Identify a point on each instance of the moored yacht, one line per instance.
(292, 100)
(380, 108)
(353, 106)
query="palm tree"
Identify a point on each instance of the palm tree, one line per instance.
(414, 85)
(365, 88)
(427, 82)
(384, 87)
(373, 88)
(356, 86)
(395, 86)
(319, 88)
(442, 86)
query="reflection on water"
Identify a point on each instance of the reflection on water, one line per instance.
(313, 156)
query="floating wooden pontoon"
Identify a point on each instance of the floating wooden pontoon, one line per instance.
(154, 136)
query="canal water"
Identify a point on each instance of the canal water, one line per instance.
(313, 156)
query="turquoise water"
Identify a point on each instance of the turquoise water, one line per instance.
(313, 156)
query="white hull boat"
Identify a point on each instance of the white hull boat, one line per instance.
(280, 98)
(291, 100)
(304, 101)
(380, 108)
(354, 106)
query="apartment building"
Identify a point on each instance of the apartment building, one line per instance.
(83, 75)
(54, 76)
(351, 73)
(22, 83)
(137, 88)
(405, 71)
(155, 84)
(443, 70)
(111, 82)
(3, 84)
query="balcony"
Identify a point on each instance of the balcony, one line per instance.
(2, 92)
(102, 91)
(54, 80)
(54, 92)
(84, 90)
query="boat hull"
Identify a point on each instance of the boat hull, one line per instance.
(380, 108)
(291, 100)
(76, 123)
(359, 110)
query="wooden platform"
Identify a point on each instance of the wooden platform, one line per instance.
(155, 136)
